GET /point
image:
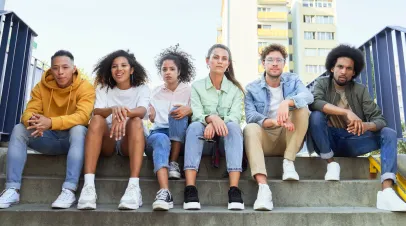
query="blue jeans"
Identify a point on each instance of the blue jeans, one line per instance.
(53, 142)
(330, 141)
(159, 141)
(233, 146)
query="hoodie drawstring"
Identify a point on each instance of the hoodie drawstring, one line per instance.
(70, 94)
(50, 99)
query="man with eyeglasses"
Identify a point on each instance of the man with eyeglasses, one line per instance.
(277, 117)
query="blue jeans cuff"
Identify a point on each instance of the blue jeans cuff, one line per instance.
(190, 168)
(328, 155)
(15, 185)
(160, 166)
(388, 175)
(178, 139)
(70, 186)
(234, 169)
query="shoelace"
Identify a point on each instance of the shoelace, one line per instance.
(235, 193)
(65, 195)
(191, 192)
(263, 190)
(7, 193)
(290, 166)
(131, 190)
(88, 190)
(162, 194)
(175, 166)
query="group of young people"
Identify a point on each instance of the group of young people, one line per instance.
(67, 115)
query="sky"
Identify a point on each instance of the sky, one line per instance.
(90, 29)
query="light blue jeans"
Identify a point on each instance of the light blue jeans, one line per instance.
(53, 142)
(159, 141)
(232, 145)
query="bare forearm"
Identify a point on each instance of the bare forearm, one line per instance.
(104, 112)
(370, 126)
(137, 112)
(330, 109)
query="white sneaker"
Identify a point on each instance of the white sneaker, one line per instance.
(289, 172)
(264, 198)
(131, 199)
(333, 172)
(174, 171)
(65, 199)
(9, 197)
(389, 200)
(88, 197)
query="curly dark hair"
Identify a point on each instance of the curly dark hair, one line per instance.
(103, 70)
(271, 48)
(182, 60)
(345, 51)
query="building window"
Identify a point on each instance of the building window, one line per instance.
(310, 19)
(325, 35)
(262, 44)
(315, 69)
(318, 3)
(306, 3)
(265, 26)
(290, 41)
(324, 52)
(290, 25)
(310, 52)
(309, 35)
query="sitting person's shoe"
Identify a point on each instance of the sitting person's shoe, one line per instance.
(163, 200)
(389, 200)
(264, 198)
(333, 172)
(9, 197)
(174, 171)
(65, 199)
(131, 199)
(235, 201)
(289, 171)
(191, 198)
(87, 199)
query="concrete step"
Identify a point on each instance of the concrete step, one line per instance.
(312, 193)
(117, 166)
(42, 215)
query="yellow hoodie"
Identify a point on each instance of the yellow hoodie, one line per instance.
(66, 107)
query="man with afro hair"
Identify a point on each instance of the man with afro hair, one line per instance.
(346, 122)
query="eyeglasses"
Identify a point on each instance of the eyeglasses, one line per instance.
(276, 60)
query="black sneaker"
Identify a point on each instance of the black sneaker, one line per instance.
(234, 199)
(191, 198)
(163, 200)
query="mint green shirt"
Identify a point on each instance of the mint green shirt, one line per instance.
(207, 101)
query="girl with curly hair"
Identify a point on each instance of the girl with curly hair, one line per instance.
(169, 111)
(122, 99)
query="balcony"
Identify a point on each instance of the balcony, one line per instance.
(273, 16)
(219, 39)
(272, 2)
(273, 33)
(289, 49)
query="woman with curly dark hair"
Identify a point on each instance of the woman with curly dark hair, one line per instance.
(169, 111)
(122, 99)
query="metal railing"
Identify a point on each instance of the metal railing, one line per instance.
(15, 55)
(386, 83)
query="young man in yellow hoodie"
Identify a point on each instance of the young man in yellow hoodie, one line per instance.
(54, 124)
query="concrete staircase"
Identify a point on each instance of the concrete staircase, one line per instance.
(311, 201)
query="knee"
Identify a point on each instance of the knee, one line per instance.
(233, 127)
(252, 129)
(97, 123)
(135, 123)
(388, 134)
(317, 118)
(195, 128)
(20, 132)
(78, 131)
(161, 141)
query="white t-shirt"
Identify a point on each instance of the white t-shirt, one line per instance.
(131, 98)
(276, 99)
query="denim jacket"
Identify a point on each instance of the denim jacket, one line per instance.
(258, 96)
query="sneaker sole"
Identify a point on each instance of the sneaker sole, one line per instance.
(263, 207)
(331, 179)
(236, 206)
(290, 178)
(162, 206)
(5, 206)
(86, 206)
(191, 206)
(174, 175)
(125, 206)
